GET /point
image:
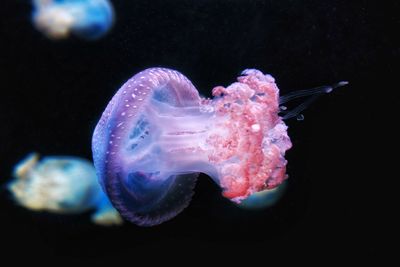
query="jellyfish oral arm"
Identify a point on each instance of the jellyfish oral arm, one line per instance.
(237, 151)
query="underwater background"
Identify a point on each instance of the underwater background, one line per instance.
(54, 91)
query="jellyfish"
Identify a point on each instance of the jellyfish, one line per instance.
(157, 134)
(88, 19)
(61, 185)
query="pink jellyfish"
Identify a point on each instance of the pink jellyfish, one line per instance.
(157, 134)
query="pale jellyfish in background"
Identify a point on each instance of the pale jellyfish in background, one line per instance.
(263, 199)
(63, 185)
(88, 19)
(157, 134)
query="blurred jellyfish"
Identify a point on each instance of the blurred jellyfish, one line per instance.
(88, 19)
(263, 199)
(63, 185)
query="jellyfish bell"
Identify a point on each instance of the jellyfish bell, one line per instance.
(131, 163)
(62, 185)
(157, 134)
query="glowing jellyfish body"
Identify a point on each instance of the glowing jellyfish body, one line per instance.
(65, 185)
(89, 19)
(157, 134)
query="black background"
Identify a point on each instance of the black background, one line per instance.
(53, 93)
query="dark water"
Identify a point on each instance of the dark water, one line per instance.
(53, 93)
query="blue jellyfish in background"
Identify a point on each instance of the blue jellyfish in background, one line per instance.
(63, 185)
(89, 19)
(264, 199)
